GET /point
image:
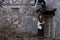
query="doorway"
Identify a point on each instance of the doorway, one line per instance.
(45, 26)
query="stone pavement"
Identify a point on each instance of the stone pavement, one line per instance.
(25, 37)
(13, 35)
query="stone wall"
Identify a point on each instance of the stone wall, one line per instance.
(27, 18)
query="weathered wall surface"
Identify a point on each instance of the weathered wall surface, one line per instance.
(56, 19)
(26, 18)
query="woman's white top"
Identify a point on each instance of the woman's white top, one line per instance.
(39, 26)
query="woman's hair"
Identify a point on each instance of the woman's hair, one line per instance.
(40, 19)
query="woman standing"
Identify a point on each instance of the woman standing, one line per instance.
(40, 25)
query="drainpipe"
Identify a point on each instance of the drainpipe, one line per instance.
(49, 27)
(36, 3)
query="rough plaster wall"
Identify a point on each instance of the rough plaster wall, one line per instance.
(26, 23)
(58, 19)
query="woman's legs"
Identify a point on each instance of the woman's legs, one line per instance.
(40, 33)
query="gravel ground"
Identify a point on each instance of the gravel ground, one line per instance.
(21, 37)
(13, 35)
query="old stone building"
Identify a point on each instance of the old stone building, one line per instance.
(25, 17)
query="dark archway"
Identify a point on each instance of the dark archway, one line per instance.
(47, 16)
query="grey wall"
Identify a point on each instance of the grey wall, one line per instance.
(56, 19)
(28, 25)
(26, 18)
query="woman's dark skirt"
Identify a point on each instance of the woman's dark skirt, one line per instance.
(40, 32)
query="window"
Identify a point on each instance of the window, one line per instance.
(19, 1)
(28, 1)
(15, 15)
(15, 12)
(5, 1)
(31, 1)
